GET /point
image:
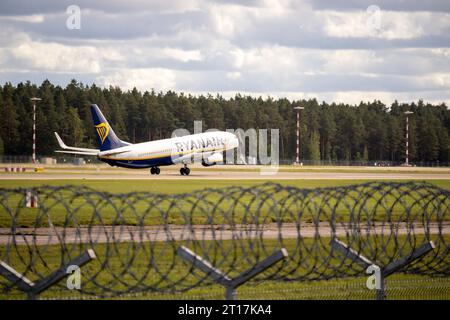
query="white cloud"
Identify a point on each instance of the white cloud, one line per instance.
(413, 62)
(142, 79)
(391, 24)
(34, 18)
(223, 19)
(56, 57)
(351, 97)
(267, 58)
(354, 97)
(183, 55)
(234, 75)
(276, 47)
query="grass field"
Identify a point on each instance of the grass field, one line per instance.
(174, 186)
(168, 277)
(144, 212)
(400, 286)
(99, 169)
(137, 211)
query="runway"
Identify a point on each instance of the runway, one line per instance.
(229, 172)
(224, 175)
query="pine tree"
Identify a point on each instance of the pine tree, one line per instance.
(327, 133)
(368, 131)
(314, 147)
(9, 125)
(75, 127)
(2, 149)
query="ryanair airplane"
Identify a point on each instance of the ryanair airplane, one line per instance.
(208, 147)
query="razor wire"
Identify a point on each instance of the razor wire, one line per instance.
(136, 235)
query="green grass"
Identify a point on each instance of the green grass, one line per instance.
(135, 210)
(175, 186)
(166, 270)
(400, 286)
(243, 168)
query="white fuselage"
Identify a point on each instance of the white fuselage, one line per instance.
(170, 151)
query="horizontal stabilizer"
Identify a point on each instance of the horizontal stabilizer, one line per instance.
(65, 147)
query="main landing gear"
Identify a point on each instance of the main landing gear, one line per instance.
(155, 170)
(185, 171)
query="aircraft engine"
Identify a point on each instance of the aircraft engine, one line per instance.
(212, 159)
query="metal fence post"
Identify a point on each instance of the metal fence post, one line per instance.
(386, 271)
(416, 254)
(33, 289)
(220, 277)
(381, 292)
(348, 252)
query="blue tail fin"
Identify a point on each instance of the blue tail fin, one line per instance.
(106, 137)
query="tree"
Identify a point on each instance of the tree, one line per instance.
(9, 126)
(327, 132)
(395, 138)
(74, 127)
(2, 150)
(367, 131)
(313, 147)
(428, 142)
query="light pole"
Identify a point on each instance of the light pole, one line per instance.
(297, 158)
(407, 137)
(34, 99)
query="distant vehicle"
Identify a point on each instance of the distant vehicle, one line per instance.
(208, 147)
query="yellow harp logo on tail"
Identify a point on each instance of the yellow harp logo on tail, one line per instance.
(102, 130)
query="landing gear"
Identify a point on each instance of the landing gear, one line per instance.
(155, 170)
(185, 171)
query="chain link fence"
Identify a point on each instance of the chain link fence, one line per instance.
(271, 241)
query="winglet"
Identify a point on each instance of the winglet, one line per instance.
(60, 141)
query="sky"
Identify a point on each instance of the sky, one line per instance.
(335, 51)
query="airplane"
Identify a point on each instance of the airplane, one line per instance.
(207, 146)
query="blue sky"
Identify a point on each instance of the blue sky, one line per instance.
(341, 51)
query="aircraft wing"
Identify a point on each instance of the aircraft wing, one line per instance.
(74, 150)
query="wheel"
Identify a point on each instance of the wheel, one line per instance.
(187, 171)
(157, 170)
(182, 171)
(152, 170)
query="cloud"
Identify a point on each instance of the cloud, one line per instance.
(277, 47)
(183, 55)
(142, 79)
(410, 5)
(385, 24)
(34, 18)
(25, 7)
(27, 54)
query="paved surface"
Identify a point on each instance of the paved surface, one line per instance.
(104, 234)
(222, 175)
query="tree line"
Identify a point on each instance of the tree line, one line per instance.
(368, 131)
